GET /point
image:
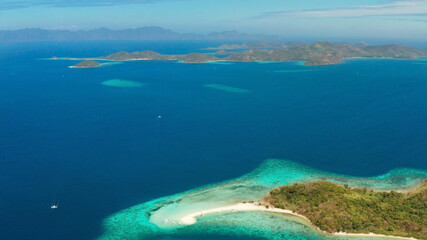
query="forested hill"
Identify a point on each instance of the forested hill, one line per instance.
(336, 208)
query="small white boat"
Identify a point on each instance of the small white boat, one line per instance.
(159, 117)
(54, 206)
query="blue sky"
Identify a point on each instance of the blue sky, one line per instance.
(297, 18)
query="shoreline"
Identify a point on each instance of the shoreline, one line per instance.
(235, 61)
(239, 207)
(191, 219)
(370, 235)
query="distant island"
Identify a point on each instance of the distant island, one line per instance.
(249, 45)
(151, 55)
(319, 53)
(87, 64)
(340, 209)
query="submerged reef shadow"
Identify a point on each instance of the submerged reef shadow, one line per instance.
(110, 63)
(121, 83)
(296, 70)
(226, 88)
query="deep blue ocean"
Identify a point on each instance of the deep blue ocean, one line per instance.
(66, 138)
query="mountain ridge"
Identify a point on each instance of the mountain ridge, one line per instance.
(151, 33)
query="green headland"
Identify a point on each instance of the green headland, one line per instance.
(87, 64)
(336, 208)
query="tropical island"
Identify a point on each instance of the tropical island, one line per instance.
(342, 210)
(151, 55)
(319, 53)
(87, 64)
(335, 208)
(244, 206)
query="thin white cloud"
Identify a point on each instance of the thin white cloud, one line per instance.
(397, 8)
(8, 4)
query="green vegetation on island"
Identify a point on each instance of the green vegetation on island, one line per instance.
(87, 64)
(324, 53)
(336, 208)
(319, 53)
(151, 55)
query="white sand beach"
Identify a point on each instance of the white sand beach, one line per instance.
(369, 235)
(191, 218)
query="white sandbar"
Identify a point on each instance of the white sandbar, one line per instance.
(191, 218)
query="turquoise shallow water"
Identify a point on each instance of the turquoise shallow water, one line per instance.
(220, 63)
(122, 83)
(226, 88)
(110, 63)
(296, 70)
(147, 220)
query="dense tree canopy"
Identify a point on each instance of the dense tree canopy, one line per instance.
(335, 208)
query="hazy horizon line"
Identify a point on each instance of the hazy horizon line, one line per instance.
(255, 36)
